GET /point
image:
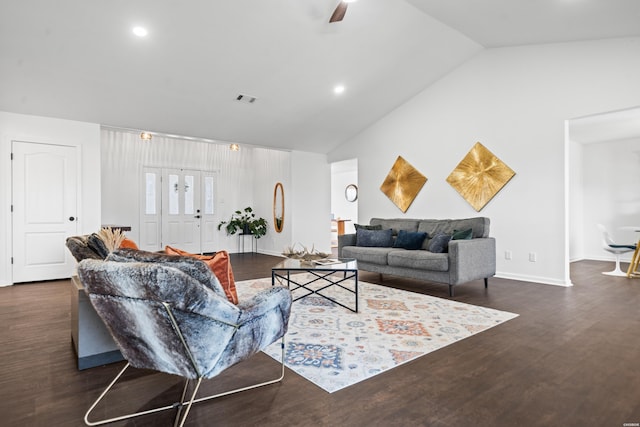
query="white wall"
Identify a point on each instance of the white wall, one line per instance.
(271, 167)
(514, 101)
(611, 194)
(311, 203)
(576, 202)
(85, 136)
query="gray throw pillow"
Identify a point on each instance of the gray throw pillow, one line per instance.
(439, 243)
(374, 238)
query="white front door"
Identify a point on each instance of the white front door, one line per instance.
(181, 210)
(44, 193)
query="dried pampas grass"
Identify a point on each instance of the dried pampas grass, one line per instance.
(112, 237)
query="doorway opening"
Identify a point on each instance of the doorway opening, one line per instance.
(603, 163)
(344, 199)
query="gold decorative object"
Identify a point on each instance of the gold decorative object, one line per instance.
(480, 176)
(402, 184)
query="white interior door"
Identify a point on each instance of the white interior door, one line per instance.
(44, 203)
(181, 209)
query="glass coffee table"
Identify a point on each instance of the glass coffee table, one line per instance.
(333, 279)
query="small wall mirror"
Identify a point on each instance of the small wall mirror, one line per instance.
(351, 193)
(278, 207)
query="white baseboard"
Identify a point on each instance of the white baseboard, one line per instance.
(534, 279)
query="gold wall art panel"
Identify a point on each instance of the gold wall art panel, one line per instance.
(402, 184)
(480, 176)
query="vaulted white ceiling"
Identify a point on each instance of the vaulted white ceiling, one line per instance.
(78, 59)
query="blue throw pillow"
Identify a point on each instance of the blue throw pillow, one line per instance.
(409, 240)
(374, 238)
(462, 234)
(439, 243)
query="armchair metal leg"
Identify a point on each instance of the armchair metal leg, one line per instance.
(180, 420)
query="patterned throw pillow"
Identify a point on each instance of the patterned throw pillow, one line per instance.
(374, 238)
(409, 240)
(439, 243)
(220, 265)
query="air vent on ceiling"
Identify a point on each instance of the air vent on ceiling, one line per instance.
(247, 99)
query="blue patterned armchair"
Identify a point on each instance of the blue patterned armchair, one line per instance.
(172, 316)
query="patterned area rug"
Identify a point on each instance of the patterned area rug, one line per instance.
(335, 348)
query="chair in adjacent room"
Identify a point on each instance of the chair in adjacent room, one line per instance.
(610, 246)
(166, 317)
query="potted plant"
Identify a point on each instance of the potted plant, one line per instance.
(246, 222)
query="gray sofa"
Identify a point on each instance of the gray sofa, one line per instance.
(471, 258)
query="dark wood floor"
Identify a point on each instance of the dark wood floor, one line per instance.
(572, 358)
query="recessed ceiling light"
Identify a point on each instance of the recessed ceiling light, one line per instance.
(140, 31)
(338, 89)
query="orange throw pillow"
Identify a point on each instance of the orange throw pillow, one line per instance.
(220, 265)
(128, 243)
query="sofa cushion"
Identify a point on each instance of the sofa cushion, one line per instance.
(439, 243)
(374, 238)
(409, 240)
(396, 224)
(422, 260)
(367, 254)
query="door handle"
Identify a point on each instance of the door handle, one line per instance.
(72, 218)
(197, 216)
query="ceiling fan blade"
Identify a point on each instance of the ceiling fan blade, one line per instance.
(338, 14)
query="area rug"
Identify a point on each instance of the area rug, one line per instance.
(335, 348)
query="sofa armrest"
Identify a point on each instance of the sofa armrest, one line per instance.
(345, 240)
(471, 259)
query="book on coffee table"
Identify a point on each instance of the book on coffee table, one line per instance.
(326, 261)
